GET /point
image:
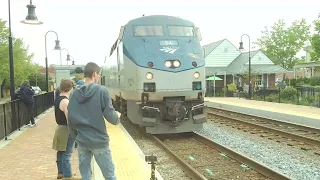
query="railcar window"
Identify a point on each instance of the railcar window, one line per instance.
(148, 31)
(181, 31)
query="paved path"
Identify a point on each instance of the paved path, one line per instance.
(30, 156)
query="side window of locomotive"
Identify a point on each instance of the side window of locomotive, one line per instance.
(181, 31)
(148, 31)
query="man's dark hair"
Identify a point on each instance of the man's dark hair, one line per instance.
(91, 68)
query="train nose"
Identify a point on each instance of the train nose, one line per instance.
(179, 111)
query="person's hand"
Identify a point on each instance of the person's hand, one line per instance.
(118, 113)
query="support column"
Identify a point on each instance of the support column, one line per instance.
(312, 71)
(268, 81)
(225, 82)
(294, 72)
(214, 85)
(233, 78)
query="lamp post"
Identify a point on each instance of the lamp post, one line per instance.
(57, 47)
(241, 48)
(30, 19)
(68, 59)
(68, 56)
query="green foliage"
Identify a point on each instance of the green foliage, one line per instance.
(315, 42)
(232, 87)
(288, 93)
(282, 43)
(272, 98)
(37, 79)
(313, 81)
(254, 75)
(23, 65)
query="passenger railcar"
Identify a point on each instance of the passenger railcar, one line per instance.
(156, 74)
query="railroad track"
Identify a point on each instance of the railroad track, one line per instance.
(305, 138)
(204, 159)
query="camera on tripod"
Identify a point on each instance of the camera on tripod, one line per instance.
(151, 158)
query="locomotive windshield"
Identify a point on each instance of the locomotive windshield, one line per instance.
(148, 31)
(181, 31)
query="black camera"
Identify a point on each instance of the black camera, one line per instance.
(151, 158)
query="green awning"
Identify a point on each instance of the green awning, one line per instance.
(212, 78)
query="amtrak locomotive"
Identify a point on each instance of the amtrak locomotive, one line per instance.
(156, 74)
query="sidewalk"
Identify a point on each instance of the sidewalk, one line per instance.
(30, 156)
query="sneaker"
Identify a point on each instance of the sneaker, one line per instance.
(71, 178)
(33, 125)
(59, 176)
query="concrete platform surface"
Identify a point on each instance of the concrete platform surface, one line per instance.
(297, 114)
(127, 156)
(29, 155)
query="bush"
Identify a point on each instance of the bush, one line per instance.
(288, 93)
(232, 87)
(315, 81)
(272, 98)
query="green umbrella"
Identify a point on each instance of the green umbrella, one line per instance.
(212, 78)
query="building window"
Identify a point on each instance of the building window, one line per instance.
(259, 80)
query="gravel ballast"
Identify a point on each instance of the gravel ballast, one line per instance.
(289, 161)
(167, 168)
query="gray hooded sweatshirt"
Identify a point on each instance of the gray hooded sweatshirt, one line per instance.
(88, 105)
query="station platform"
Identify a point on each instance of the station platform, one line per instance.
(296, 114)
(28, 154)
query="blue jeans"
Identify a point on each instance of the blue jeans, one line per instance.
(64, 159)
(103, 158)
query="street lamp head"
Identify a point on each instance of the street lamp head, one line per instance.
(68, 58)
(57, 47)
(31, 17)
(241, 46)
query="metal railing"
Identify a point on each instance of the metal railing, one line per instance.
(14, 115)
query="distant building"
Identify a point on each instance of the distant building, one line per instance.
(224, 60)
(309, 68)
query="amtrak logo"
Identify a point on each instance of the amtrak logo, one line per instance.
(170, 50)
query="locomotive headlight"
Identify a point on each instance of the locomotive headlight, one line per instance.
(196, 75)
(176, 63)
(149, 75)
(168, 64)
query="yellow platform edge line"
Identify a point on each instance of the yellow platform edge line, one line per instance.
(97, 172)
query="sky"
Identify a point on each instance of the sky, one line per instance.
(88, 28)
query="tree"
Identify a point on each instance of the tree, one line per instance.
(282, 43)
(315, 42)
(254, 76)
(38, 79)
(23, 65)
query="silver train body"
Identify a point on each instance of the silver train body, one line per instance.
(156, 74)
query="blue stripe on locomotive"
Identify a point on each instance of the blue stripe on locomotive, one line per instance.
(144, 49)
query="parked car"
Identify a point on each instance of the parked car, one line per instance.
(36, 89)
